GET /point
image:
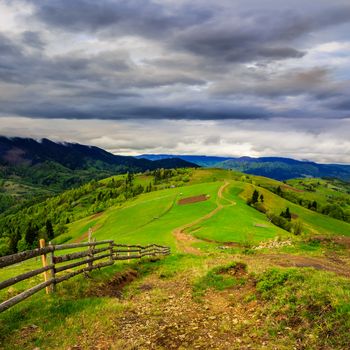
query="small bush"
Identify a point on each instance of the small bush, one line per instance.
(274, 278)
(298, 228)
(260, 207)
(280, 222)
(219, 278)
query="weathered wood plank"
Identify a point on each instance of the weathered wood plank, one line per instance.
(126, 251)
(79, 245)
(24, 295)
(24, 276)
(126, 257)
(22, 256)
(126, 245)
(28, 254)
(70, 266)
(85, 269)
(77, 255)
(149, 250)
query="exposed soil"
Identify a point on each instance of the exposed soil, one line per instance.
(86, 234)
(184, 241)
(194, 199)
(114, 287)
(97, 215)
(81, 238)
(341, 240)
(167, 317)
(227, 244)
(238, 270)
(331, 264)
(145, 287)
(260, 225)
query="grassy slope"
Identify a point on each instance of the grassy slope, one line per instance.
(151, 218)
(238, 223)
(314, 223)
(325, 191)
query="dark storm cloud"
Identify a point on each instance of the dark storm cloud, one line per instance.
(118, 111)
(16, 66)
(203, 29)
(169, 60)
(315, 83)
(143, 17)
(107, 69)
(11, 58)
(254, 36)
(8, 48)
(341, 104)
(33, 39)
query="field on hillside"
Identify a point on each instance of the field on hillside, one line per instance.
(234, 280)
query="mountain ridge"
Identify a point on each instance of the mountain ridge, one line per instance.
(278, 168)
(31, 170)
(26, 151)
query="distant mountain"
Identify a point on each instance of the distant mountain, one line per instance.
(204, 161)
(275, 167)
(29, 167)
(28, 152)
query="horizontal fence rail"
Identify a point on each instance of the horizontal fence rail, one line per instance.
(53, 270)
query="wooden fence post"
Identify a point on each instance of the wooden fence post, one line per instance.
(111, 252)
(44, 262)
(52, 262)
(140, 252)
(128, 254)
(91, 248)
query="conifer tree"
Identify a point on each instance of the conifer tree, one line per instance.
(49, 229)
(255, 196)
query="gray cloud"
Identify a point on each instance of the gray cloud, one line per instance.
(145, 17)
(236, 61)
(342, 104)
(226, 138)
(33, 39)
(315, 82)
(200, 51)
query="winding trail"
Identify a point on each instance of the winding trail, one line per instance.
(184, 240)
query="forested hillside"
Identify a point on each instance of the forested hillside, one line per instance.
(21, 229)
(249, 264)
(32, 170)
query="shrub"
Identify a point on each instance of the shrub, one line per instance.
(260, 207)
(280, 222)
(275, 278)
(219, 278)
(298, 227)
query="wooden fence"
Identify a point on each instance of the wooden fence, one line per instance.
(107, 251)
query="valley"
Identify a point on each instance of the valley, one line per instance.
(174, 175)
(234, 280)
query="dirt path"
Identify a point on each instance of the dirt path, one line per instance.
(164, 315)
(185, 240)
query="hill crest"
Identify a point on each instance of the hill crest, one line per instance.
(278, 168)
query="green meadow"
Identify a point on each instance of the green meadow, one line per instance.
(228, 291)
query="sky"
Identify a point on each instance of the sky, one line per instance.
(229, 77)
